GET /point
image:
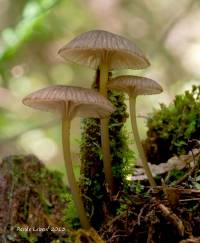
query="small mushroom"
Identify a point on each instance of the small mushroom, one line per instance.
(106, 51)
(134, 86)
(69, 102)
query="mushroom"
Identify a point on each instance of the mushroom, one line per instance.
(69, 102)
(134, 86)
(106, 51)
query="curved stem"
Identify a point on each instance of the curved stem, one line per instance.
(70, 174)
(105, 130)
(132, 104)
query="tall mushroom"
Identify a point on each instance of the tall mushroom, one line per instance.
(134, 86)
(105, 51)
(69, 102)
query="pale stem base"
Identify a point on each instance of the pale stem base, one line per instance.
(137, 140)
(70, 174)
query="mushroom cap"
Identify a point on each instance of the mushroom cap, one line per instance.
(94, 47)
(70, 101)
(135, 85)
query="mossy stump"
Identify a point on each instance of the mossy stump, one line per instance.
(32, 201)
(92, 182)
(174, 129)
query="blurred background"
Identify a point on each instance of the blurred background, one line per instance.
(32, 31)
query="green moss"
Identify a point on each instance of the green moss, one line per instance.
(170, 127)
(92, 177)
(70, 216)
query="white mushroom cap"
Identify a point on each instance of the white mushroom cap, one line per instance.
(70, 101)
(94, 47)
(135, 85)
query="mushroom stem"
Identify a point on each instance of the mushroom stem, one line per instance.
(70, 174)
(103, 78)
(132, 104)
(105, 130)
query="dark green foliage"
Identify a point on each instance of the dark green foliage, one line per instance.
(31, 196)
(92, 176)
(170, 127)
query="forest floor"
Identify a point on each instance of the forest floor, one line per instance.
(31, 196)
(168, 213)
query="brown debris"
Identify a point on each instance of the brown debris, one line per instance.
(173, 218)
(176, 162)
(164, 214)
(87, 236)
(153, 219)
(191, 240)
